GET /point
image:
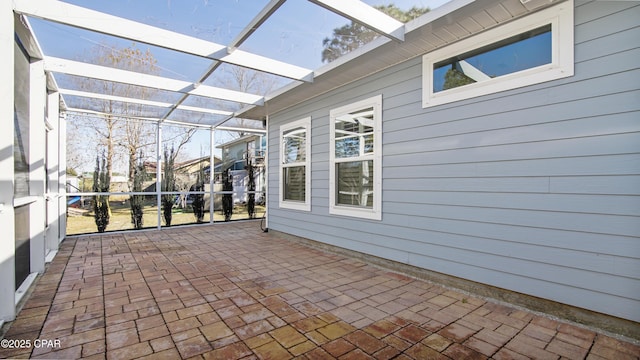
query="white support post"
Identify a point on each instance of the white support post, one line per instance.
(37, 168)
(53, 177)
(212, 143)
(266, 177)
(62, 174)
(159, 173)
(7, 221)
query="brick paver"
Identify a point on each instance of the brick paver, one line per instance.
(231, 292)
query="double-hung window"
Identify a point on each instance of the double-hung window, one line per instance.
(295, 165)
(355, 172)
(527, 51)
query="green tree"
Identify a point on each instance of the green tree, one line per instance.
(198, 199)
(454, 78)
(352, 36)
(227, 197)
(137, 201)
(101, 182)
(168, 184)
(251, 203)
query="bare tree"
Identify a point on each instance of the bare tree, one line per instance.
(249, 81)
(177, 138)
(81, 147)
(115, 129)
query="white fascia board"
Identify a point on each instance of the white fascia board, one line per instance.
(77, 68)
(92, 20)
(435, 14)
(243, 129)
(142, 102)
(366, 15)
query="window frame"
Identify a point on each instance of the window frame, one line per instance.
(292, 204)
(560, 17)
(375, 212)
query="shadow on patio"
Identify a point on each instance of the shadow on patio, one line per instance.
(231, 291)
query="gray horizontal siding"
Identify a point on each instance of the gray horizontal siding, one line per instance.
(610, 185)
(568, 203)
(535, 190)
(615, 164)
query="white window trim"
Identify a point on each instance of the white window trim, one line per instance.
(374, 213)
(289, 204)
(562, 64)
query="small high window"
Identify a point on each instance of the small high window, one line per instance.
(295, 165)
(521, 52)
(541, 50)
(356, 160)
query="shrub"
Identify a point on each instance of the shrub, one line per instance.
(251, 202)
(101, 182)
(137, 201)
(227, 197)
(198, 199)
(168, 185)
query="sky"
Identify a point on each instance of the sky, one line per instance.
(293, 34)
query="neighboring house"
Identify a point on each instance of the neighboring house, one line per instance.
(235, 154)
(186, 172)
(119, 183)
(497, 148)
(187, 177)
(191, 167)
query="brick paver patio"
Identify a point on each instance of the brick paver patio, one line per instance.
(231, 292)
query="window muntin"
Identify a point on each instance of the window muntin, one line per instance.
(295, 164)
(356, 159)
(496, 60)
(354, 134)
